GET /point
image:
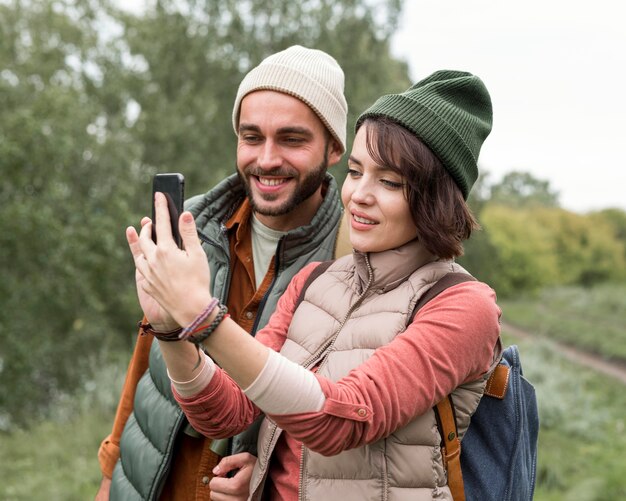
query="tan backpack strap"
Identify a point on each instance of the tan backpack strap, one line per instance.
(343, 247)
(451, 449)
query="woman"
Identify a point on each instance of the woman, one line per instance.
(349, 398)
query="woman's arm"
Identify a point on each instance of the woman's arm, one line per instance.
(450, 341)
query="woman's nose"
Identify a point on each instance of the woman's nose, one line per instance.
(363, 193)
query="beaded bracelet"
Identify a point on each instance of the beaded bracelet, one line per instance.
(199, 338)
(186, 332)
(161, 336)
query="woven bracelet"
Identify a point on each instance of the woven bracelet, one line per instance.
(199, 338)
(186, 332)
(161, 336)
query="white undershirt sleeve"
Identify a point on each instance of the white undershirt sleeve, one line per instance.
(194, 386)
(284, 387)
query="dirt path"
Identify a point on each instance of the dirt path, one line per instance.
(613, 369)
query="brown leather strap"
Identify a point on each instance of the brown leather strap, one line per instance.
(498, 382)
(451, 448)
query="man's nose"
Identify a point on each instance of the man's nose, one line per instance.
(269, 156)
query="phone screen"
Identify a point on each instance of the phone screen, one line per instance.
(173, 187)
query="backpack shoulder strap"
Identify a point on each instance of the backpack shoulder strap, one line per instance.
(317, 271)
(438, 287)
(444, 410)
(451, 449)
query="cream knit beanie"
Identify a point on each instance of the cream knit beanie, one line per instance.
(310, 75)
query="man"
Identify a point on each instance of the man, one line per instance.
(258, 227)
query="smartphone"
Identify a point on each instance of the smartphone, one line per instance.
(172, 185)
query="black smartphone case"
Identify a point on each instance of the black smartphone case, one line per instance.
(172, 185)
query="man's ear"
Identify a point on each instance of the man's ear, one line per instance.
(335, 152)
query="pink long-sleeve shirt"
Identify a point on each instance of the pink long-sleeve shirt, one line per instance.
(457, 333)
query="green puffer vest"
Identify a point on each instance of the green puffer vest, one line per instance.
(348, 312)
(148, 439)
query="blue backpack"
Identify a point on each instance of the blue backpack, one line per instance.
(498, 460)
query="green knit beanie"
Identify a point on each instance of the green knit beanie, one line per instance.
(450, 111)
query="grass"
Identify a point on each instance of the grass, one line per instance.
(582, 414)
(56, 460)
(589, 318)
(582, 420)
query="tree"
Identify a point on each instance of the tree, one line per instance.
(93, 101)
(188, 58)
(522, 189)
(585, 246)
(615, 219)
(65, 190)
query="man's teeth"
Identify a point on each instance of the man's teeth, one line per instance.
(271, 181)
(363, 220)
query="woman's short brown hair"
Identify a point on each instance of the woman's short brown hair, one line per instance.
(442, 216)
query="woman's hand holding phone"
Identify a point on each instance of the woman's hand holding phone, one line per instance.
(172, 284)
(160, 319)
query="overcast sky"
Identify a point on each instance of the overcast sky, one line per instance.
(556, 72)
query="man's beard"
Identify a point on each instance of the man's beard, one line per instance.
(305, 187)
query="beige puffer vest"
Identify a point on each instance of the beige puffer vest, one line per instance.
(359, 304)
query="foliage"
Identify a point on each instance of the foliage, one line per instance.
(56, 459)
(520, 255)
(64, 197)
(522, 189)
(529, 242)
(586, 247)
(616, 221)
(188, 57)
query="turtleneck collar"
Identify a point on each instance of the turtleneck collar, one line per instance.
(390, 267)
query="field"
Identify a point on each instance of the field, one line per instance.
(582, 419)
(582, 413)
(56, 460)
(593, 319)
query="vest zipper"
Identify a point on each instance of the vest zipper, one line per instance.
(385, 473)
(301, 473)
(266, 454)
(324, 351)
(357, 303)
